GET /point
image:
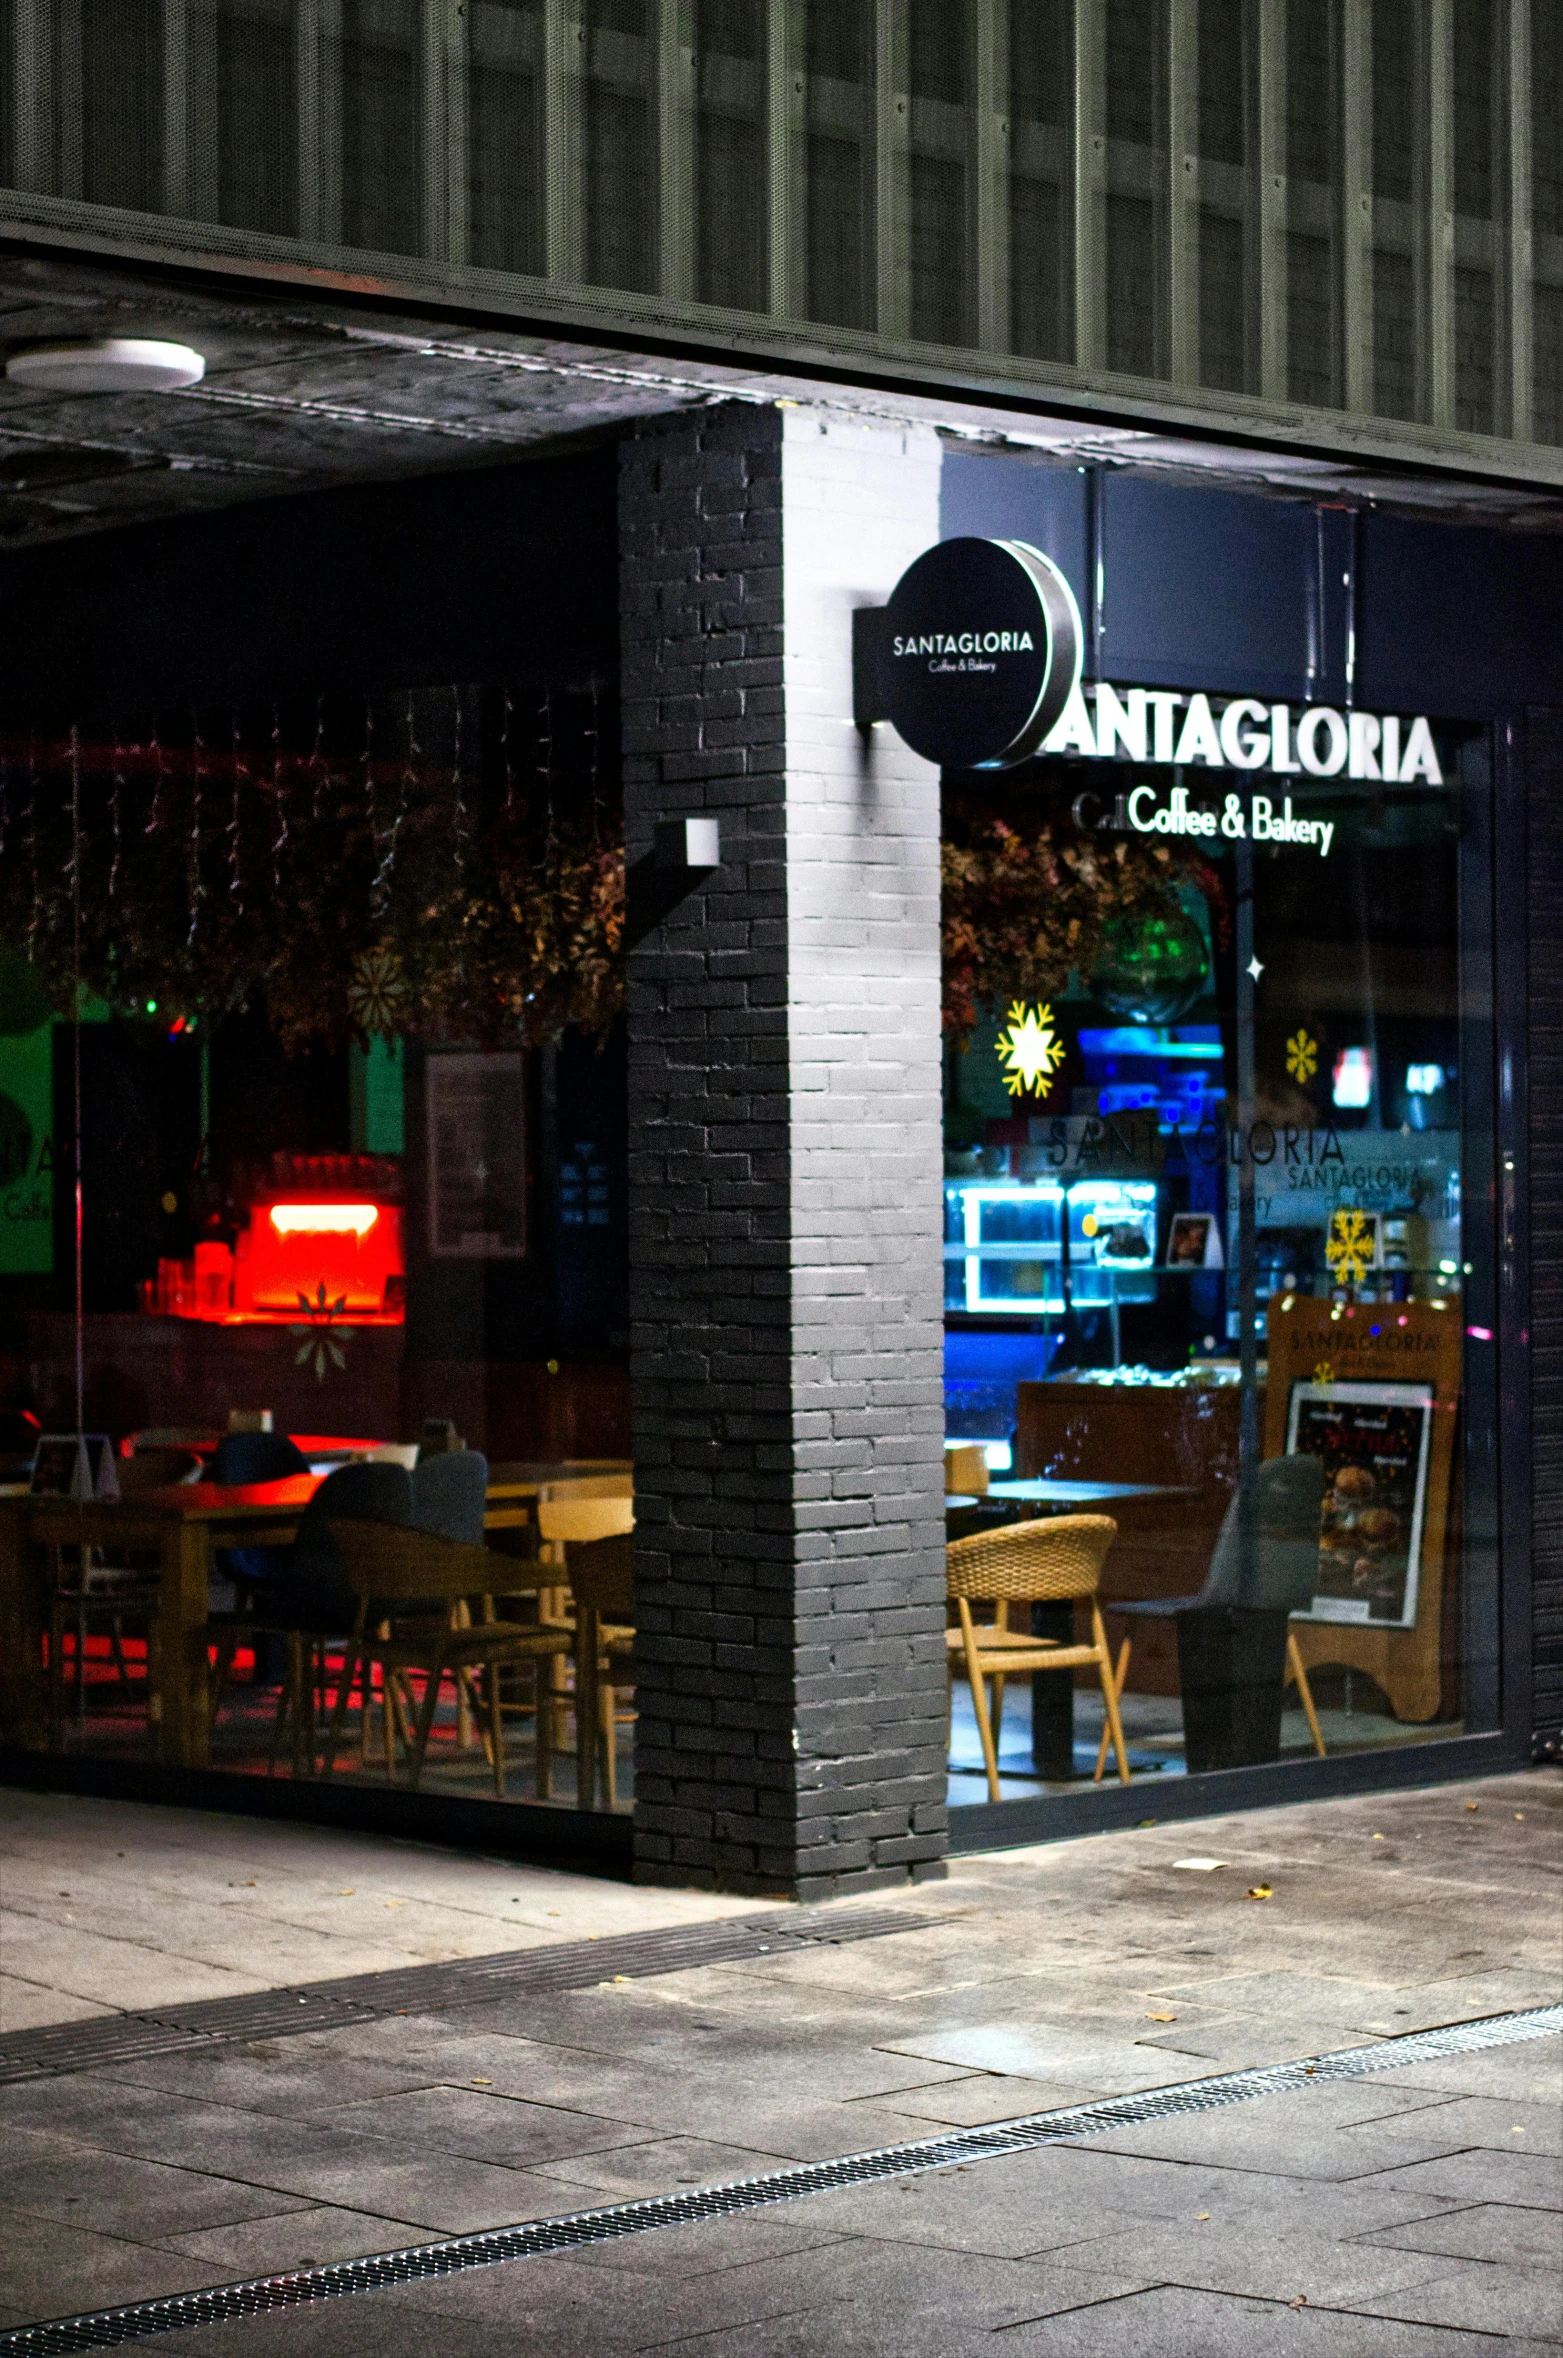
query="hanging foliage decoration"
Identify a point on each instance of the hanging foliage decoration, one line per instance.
(1026, 906)
(351, 871)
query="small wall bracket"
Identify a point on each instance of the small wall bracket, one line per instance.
(869, 642)
(684, 854)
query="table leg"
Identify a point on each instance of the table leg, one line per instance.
(1053, 1699)
(586, 1651)
(180, 1709)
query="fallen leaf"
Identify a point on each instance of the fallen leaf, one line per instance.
(1519, 1817)
(1473, 1805)
(1161, 2018)
(1301, 2302)
(396, 1903)
(1260, 1891)
(352, 1887)
(1201, 2214)
(482, 2083)
(1381, 1837)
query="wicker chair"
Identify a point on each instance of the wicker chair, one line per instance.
(1029, 1563)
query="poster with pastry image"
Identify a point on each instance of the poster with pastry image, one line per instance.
(1374, 1441)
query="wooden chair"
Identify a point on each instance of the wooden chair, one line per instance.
(89, 1593)
(602, 1582)
(1029, 1563)
(416, 1598)
(600, 1507)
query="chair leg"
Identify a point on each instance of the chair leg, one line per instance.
(542, 1690)
(285, 1705)
(998, 1710)
(1120, 1677)
(979, 1697)
(607, 1736)
(587, 1641)
(1104, 1669)
(352, 1659)
(117, 1650)
(1294, 1663)
(426, 1711)
(496, 1727)
(218, 1675)
(56, 1675)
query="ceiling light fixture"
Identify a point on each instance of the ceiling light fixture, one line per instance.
(107, 364)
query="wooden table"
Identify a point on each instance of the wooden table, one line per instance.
(184, 1526)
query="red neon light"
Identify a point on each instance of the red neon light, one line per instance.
(324, 1219)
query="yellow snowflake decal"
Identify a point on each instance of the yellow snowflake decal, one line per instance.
(1324, 1373)
(1302, 1055)
(1030, 1050)
(1349, 1247)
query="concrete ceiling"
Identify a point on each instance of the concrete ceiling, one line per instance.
(302, 392)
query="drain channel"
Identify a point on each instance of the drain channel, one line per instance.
(421, 1989)
(104, 2329)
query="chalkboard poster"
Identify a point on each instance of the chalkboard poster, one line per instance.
(1374, 1441)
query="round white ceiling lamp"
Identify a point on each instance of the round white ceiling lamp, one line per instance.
(107, 364)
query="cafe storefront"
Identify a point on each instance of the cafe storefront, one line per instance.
(341, 1165)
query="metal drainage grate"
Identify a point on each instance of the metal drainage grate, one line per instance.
(422, 1989)
(103, 2329)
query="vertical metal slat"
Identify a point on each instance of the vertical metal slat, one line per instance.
(34, 81)
(564, 65)
(176, 108)
(1176, 140)
(672, 61)
(783, 131)
(1264, 249)
(318, 67)
(1513, 233)
(1088, 182)
(892, 139)
(1433, 213)
(989, 210)
(1353, 66)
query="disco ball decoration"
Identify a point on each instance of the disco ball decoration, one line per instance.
(1152, 967)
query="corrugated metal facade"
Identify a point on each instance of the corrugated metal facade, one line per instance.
(1544, 766)
(1298, 212)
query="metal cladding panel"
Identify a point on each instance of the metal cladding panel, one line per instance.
(1011, 499)
(1206, 589)
(1545, 881)
(1464, 623)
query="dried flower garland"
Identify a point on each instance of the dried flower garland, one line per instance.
(377, 871)
(1024, 907)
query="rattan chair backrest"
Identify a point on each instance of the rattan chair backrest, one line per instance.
(1061, 1557)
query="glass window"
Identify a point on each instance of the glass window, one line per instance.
(312, 1117)
(1216, 1257)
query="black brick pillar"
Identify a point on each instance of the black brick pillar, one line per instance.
(784, 1170)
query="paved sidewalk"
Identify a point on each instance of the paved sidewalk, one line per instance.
(1412, 2214)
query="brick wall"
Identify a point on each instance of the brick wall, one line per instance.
(784, 1172)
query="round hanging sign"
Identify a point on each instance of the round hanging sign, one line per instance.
(981, 650)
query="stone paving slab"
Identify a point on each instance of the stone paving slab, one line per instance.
(1386, 2204)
